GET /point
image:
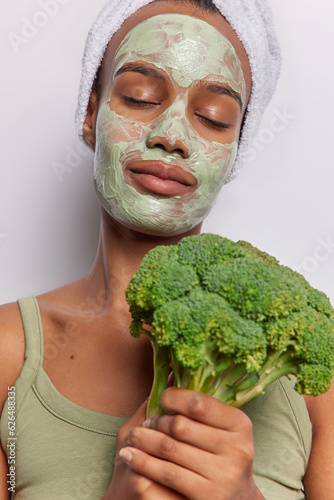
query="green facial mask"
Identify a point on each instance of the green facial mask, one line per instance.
(188, 50)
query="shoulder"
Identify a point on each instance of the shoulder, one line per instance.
(321, 409)
(12, 348)
(319, 479)
(57, 307)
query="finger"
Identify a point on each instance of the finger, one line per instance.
(136, 420)
(168, 474)
(165, 447)
(204, 408)
(144, 487)
(209, 447)
(190, 431)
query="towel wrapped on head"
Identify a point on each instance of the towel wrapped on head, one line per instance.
(252, 22)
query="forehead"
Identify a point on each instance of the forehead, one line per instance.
(177, 42)
(215, 23)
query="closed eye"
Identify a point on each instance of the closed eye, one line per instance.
(138, 103)
(212, 123)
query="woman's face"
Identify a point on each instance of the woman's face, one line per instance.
(168, 122)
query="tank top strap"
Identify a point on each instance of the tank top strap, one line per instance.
(34, 344)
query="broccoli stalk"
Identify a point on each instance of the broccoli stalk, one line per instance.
(161, 364)
(240, 386)
(230, 320)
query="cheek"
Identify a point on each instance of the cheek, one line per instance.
(212, 161)
(115, 137)
(117, 129)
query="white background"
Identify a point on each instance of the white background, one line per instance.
(282, 202)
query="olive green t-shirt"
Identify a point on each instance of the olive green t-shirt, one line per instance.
(66, 452)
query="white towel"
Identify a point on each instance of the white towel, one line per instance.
(250, 19)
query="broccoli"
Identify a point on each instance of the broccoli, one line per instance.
(230, 320)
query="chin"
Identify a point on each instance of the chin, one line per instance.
(156, 217)
(141, 229)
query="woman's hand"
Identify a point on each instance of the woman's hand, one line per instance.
(126, 483)
(204, 450)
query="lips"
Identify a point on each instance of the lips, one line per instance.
(159, 178)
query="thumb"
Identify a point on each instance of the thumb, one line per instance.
(139, 417)
(136, 420)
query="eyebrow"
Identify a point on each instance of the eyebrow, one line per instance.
(214, 88)
(143, 70)
(222, 89)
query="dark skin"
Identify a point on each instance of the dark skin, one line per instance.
(206, 444)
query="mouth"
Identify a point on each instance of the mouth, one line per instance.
(159, 178)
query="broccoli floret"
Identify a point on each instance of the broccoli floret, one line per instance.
(230, 320)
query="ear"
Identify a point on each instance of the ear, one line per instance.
(89, 126)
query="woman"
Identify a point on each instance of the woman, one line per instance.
(165, 131)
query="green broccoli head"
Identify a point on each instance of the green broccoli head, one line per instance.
(203, 327)
(231, 319)
(160, 279)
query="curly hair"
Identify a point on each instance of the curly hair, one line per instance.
(207, 5)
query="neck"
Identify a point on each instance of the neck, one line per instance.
(120, 253)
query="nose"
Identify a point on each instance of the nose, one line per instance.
(171, 132)
(169, 145)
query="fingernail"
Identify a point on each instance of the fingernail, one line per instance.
(126, 455)
(147, 423)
